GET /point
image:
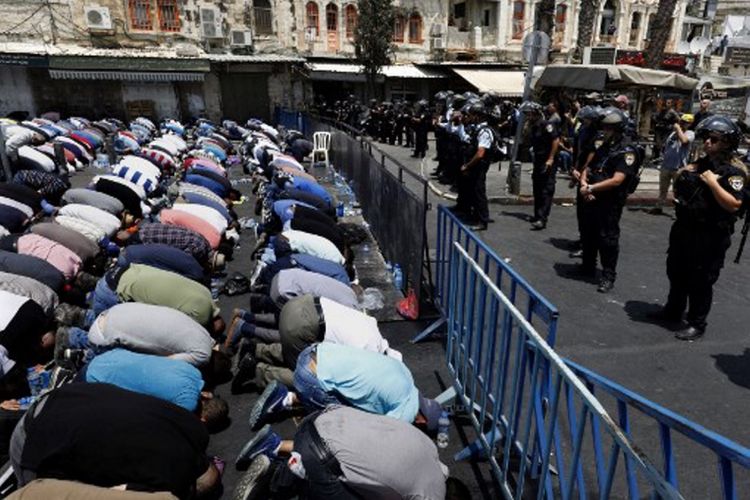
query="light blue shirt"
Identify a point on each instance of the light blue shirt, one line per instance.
(173, 380)
(367, 380)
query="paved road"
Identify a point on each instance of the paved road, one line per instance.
(707, 381)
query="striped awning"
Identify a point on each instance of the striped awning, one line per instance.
(138, 76)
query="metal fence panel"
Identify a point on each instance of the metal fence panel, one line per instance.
(533, 415)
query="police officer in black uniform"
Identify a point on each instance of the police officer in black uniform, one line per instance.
(604, 187)
(544, 138)
(474, 171)
(422, 122)
(583, 150)
(708, 196)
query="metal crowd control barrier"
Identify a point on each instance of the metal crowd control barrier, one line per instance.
(538, 310)
(392, 197)
(666, 426)
(530, 410)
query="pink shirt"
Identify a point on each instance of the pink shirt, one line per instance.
(192, 222)
(56, 254)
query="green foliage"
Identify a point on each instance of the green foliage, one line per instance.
(372, 41)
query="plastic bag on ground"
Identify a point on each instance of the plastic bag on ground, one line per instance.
(408, 307)
(372, 299)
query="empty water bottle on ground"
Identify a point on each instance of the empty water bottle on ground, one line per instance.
(444, 424)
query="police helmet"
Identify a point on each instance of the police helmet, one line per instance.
(470, 95)
(613, 117)
(530, 107)
(721, 125)
(589, 113)
(490, 98)
(477, 109)
(449, 94)
(458, 101)
(441, 96)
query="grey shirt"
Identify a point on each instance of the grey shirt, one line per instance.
(31, 288)
(382, 457)
(95, 199)
(292, 283)
(152, 329)
(73, 240)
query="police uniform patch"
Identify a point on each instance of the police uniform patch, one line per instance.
(629, 159)
(550, 128)
(737, 182)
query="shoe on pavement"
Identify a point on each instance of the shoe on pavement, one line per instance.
(605, 286)
(690, 333)
(253, 483)
(538, 225)
(270, 402)
(245, 373)
(265, 442)
(482, 226)
(578, 254)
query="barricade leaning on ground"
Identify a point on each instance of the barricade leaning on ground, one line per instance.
(392, 198)
(527, 402)
(537, 408)
(537, 310)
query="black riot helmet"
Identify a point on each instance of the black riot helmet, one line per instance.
(477, 109)
(441, 96)
(589, 113)
(722, 126)
(458, 101)
(470, 95)
(613, 117)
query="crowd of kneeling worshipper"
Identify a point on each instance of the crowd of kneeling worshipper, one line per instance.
(112, 343)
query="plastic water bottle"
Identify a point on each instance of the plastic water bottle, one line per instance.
(35, 381)
(444, 424)
(24, 403)
(340, 209)
(398, 277)
(388, 272)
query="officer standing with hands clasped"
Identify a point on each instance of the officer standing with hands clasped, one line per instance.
(544, 137)
(474, 171)
(708, 196)
(604, 187)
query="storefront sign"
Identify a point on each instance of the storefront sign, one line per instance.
(738, 55)
(32, 61)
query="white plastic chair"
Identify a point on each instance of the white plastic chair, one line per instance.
(321, 145)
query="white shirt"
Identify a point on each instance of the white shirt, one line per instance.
(41, 159)
(208, 214)
(86, 228)
(15, 137)
(142, 165)
(350, 327)
(138, 190)
(167, 145)
(178, 142)
(312, 244)
(105, 220)
(10, 303)
(485, 138)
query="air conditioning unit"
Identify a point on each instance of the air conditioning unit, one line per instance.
(438, 43)
(241, 38)
(97, 18)
(211, 23)
(599, 55)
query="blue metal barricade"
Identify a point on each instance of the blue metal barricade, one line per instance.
(531, 412)
(537, 310)
(289, 119)
(665, 425)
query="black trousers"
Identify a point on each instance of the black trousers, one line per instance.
(322, 470)
(472, 192)
(543, 181)
(601, 235)
(694, 260)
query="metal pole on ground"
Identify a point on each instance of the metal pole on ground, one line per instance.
(535, 50)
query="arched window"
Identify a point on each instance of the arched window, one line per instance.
(311, 18)
(635, 28)
(351, 20)
(608, 25)
(561, 18)
(332, 17)
(399, 25)
(415, 28)
(262, 17)
(518, 21)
